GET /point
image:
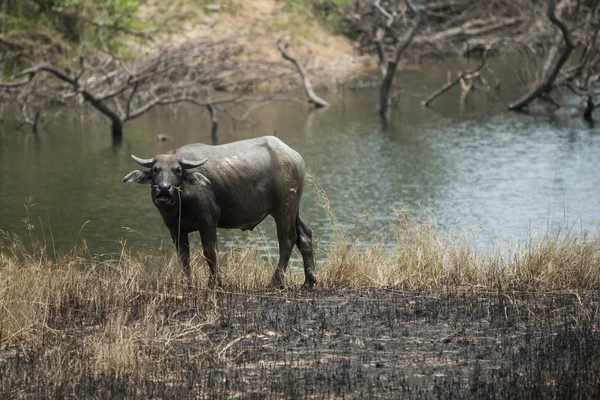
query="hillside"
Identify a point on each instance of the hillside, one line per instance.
(257, 26)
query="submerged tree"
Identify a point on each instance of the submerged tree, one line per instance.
(564, 66)
(124, 90)
(389, 59)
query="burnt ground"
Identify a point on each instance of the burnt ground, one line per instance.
(355, 344)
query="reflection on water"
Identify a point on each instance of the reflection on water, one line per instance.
(474, 167)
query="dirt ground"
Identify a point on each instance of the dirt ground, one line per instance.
(358, 344)
(257, 26)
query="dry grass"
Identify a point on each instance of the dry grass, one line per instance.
(425, 258)
(134, 310)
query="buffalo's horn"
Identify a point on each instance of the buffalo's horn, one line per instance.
(148, 162)
(186, 164)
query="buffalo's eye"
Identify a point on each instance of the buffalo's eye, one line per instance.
(178, 170)
(155, 169)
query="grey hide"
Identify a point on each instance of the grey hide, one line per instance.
(232, 186)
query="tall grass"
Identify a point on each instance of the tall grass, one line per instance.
(134, 308)
(423, 257)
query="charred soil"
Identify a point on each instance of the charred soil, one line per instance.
(362, 343)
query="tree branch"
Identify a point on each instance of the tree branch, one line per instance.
(461, 76)
(382, 10)
(313, 98)
(17, 84)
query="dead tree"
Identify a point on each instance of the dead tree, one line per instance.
(389, 65)
(123, 91)
(581, 75)
(584, 78)
(451, 28)
(554, 63)
(99, 101)
(312, 96)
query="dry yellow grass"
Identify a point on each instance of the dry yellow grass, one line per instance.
(132, 309)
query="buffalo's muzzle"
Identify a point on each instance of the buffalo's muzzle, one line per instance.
(164, 193)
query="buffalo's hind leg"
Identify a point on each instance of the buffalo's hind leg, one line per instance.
(287, 236)
(304, 243)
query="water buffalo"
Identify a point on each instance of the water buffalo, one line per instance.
(198, 187)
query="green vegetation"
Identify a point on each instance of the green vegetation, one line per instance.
(51, 30)
(325, 12)
(58, 30)
(67, 17)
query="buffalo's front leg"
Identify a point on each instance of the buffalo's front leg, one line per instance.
(182, 243)
(209, 249)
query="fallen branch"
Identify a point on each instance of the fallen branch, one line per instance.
(125, 90)
(469, 75)
(470, 28)
(117, 123)
(312, 97)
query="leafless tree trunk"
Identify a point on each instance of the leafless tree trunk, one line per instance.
(214, 123)
(388, 68)
(556, 60)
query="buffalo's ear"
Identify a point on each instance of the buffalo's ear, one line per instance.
(198, 178)
(138, 176)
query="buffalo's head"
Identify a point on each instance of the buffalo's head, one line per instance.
(167, 174)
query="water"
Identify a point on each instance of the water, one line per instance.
(473, 168)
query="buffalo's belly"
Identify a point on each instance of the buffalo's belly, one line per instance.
(241, 219)
(245, 226)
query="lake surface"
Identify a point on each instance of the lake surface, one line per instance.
(472, 168)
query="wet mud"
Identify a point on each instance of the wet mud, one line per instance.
(347, 344)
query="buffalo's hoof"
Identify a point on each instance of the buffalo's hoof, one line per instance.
(276, 284)
(308, 285)
(214, 282)
(310, 280)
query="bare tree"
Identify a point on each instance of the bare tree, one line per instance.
(389, 64)
(581, 76)
(451, 28)
(123, 91)
(554, 63)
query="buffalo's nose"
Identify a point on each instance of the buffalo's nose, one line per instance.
(164, 187)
